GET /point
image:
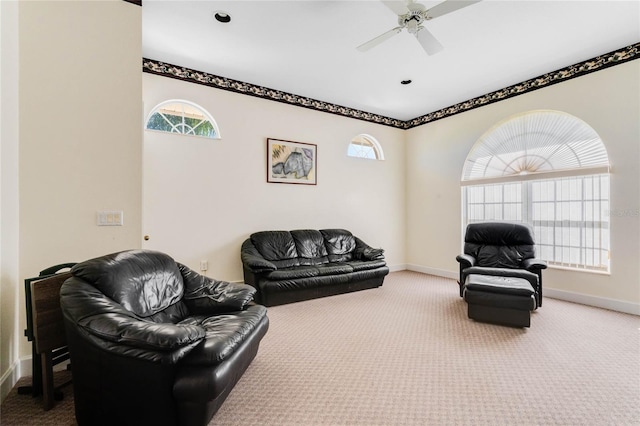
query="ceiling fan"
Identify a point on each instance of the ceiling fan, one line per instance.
(411, 15)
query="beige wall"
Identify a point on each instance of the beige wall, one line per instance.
(8, 193)
(203, 197)
(78, 133)
(606, 100)
(80, 139)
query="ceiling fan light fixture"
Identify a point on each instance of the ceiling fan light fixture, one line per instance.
(413, 27)
(411, 15)
(222, 16)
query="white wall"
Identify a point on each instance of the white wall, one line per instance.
(80, 141)
(204, 197)
(9, 309)
(606, 100)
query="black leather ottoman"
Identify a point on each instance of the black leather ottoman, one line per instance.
(499, 300)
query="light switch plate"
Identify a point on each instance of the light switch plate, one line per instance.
(110, 218)
(204, 265)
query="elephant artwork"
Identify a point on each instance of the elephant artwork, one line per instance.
(297, 165)
(291, 162)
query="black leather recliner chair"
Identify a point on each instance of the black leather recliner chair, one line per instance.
(501, 249)
(153, 342)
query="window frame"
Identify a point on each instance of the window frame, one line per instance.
(373, 143)
(525, 212)
(207, 118)
(527, 209)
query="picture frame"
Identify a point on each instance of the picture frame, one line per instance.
(292, 162)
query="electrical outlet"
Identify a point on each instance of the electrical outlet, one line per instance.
(204, 265)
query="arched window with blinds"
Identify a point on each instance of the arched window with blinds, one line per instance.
(549, 169)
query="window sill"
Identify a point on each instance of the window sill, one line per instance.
(587, 271)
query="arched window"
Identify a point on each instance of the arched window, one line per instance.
(551, 170)
(183, 117)
(365, 146)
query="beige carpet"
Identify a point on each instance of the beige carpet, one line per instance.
(406, 354)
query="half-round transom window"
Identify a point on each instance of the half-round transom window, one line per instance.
(365, 146)
(536, 142)
(183, 117)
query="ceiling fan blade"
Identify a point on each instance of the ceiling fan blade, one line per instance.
(449, 6)
(428, 42)
(398, 7)
(376, 41)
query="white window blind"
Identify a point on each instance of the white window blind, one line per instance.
(535, 142)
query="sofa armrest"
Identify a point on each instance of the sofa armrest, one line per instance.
(363, 251)
(465, 260)
(253, 260)
(534, 265)
(204, 295)
(131, 331)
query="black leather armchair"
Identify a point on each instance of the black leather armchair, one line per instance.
(153, 342)
(501, 249)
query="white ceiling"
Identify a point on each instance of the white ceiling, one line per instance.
(308, 48)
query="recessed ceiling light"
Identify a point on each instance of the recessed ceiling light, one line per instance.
(405, 82)
(222, 16)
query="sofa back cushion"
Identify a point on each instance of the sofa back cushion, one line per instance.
(499, 244)
(310, 247)
(144, 282)
(278, 247)
(491, 256)
(340, 244)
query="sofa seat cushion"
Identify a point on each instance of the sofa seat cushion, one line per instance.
(364, 265)
(293, 273)
(223, 334)
(334, 269)
(304, 283)
(310, 271)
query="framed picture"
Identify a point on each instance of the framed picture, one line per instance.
(291, 162)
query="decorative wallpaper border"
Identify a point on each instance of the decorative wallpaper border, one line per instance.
(199, 77)
(598, 63)
(582, 68)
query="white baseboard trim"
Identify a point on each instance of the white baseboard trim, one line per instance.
(434, 271)
(397, 268)
(583, 299)
(10, 378)
(598, 302)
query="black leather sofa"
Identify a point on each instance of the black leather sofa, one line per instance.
(290, 266)
(153, 342)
